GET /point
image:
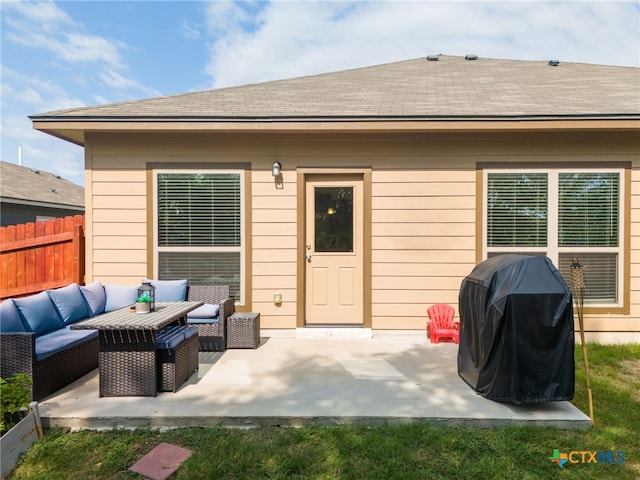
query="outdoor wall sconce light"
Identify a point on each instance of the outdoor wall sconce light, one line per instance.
(276, 168)
(277, 299)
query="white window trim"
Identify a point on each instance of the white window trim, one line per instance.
(552, 250)
(242, 249)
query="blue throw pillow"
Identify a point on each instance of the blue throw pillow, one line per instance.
(120, 296)
(95, 296)
(70, 303)
(38, 313)
(169, 290)
(10, 318)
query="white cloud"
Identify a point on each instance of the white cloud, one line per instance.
(100, 100)
(60, 74)
(46, 16)
(19, 128)
(29, 95)
(60, 103)
(90, 48)
(67, 41)
(189, 30)
(73, 47)
(40, 95)
(228, 18)
(116, 80)
(60, 158)
(288, 39)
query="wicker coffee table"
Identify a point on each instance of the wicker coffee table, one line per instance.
(243, 330)
(127, 358)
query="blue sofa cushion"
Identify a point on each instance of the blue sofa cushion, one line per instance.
(120, 296)
(69, 303)
(61, 339)
(10, 318)
(170, 337)
(169, 290)
(38, 313)
(206, 310)
(95, 296)
(190, 332)
(195, 321)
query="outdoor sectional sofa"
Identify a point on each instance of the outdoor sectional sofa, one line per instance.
(36, 338)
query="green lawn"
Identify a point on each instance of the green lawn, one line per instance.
(389, 452)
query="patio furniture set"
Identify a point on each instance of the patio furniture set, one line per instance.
(59, 335)
(230, 329)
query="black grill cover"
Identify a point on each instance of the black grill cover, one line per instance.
(516, 334)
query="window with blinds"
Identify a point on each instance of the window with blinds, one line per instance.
(588, 209)
(561, 214)
(199, 228)
(517, 210)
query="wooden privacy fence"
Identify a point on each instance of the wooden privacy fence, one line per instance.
(41, 255)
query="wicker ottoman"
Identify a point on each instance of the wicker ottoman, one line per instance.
(243, 330)
(176, 364)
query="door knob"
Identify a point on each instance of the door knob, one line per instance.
(308, 257)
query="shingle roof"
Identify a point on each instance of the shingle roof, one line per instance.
(18, 184)
(450, 88)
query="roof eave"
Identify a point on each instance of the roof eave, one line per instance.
(36, 203)
(73, 129)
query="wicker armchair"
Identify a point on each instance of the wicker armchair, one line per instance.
(212, 336)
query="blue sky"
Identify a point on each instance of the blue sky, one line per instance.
(65, 54)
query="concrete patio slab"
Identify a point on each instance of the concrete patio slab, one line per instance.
(386, 379)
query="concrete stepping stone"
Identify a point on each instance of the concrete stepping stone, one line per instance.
(161, 461)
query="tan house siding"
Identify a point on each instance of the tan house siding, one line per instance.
(273, 225)
(423, 240)
(424, 208)
(116, 196)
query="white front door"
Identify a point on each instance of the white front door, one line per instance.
(334, 250)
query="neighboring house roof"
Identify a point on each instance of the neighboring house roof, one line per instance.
(27, 186)
(449, 89)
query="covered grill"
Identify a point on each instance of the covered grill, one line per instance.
(517, 333)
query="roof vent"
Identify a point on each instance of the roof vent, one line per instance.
(471, 56)
(433, 58)
(52, 190)
(554, 63)
(35, 171)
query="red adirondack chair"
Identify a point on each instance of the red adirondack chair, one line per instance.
(441, 324)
